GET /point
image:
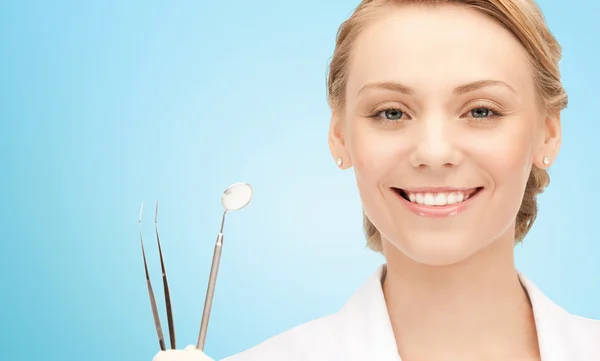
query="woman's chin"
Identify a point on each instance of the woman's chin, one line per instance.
(443, 251)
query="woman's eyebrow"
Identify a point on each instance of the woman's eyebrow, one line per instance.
(466, 88)
(393, 86)
(461, 89)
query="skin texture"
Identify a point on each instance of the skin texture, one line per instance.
(465, 298)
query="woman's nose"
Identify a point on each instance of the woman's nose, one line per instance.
(435, 146)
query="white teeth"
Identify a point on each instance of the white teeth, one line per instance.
(419, 198)
(429, 199)
(439, 199)
(451, 198)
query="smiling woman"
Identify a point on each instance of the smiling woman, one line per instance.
(449, 114)
(457, 108)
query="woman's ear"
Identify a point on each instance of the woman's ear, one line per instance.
(552, 141)
(337, 141)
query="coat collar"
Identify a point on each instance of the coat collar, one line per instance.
(557, 330)
(368, 328)
(367, 323)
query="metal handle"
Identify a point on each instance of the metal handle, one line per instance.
(157, 325)
(210, 292)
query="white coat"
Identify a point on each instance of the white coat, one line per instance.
(361, 331)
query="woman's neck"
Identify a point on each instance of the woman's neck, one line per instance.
(475, 310)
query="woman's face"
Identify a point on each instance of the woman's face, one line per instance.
(442, 126)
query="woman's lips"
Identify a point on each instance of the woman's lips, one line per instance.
(437, 202)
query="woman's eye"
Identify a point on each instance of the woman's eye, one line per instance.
(391, 114)
(480, 112)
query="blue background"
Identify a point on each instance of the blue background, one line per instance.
(105, 104)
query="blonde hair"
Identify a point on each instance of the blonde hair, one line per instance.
(525, 21)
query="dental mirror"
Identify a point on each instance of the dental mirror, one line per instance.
(235, 197)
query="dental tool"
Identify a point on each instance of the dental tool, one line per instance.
(155, 314)
(235, 197)
(165, 285)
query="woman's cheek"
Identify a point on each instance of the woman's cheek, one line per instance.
(505, 152)
(375, 154)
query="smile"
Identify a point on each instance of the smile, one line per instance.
(438, 202)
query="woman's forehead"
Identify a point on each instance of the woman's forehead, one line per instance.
(437, 47)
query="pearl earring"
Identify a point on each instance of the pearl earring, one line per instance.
(546, 161)
(339, 162)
